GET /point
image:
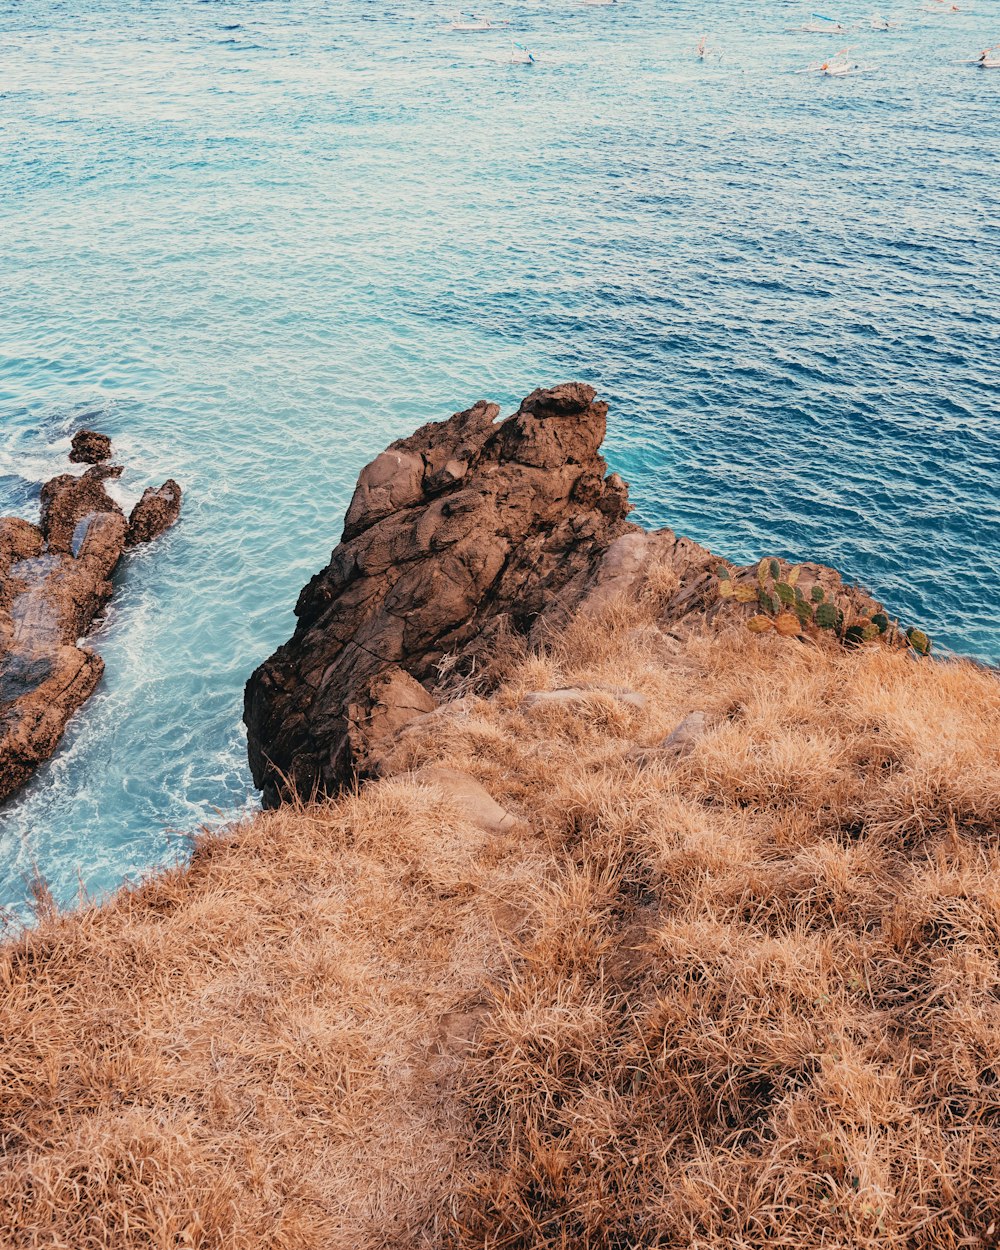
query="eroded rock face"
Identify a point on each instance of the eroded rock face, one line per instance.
(465, 527)
(392, 701)
(54, 579)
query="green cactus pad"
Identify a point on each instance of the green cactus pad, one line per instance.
(919, 641)
(826, 616)
(881, 622)
(723, 573)
(817, 594)
(785, 593)
(774, 568)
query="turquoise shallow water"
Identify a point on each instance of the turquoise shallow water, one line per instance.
(255, 242)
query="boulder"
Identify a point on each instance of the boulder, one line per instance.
(467, 527)
(473, 801)
(577, 696)
(155, 512)
(54, 579)
(392, 701)
(89, 447)
(681, 741)
(684, 737)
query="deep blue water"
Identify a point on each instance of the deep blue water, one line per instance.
(255, 242)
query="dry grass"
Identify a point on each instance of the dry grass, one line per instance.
(745, 996)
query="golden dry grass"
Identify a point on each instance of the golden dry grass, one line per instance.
(745, 996)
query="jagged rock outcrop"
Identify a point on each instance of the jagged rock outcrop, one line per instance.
(465, 527)
(54, 579)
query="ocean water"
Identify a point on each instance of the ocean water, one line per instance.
(254, 242)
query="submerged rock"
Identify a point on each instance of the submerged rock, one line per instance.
(54, 579)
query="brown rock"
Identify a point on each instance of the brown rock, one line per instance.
(392, 701)
(89, 447)
(464, 527)
(19, 540)
(155, 512)
(681, 741)
(472, 800)
(685, 737)
(38, 695)
(69, 506)
(578, 697)
(54, 579)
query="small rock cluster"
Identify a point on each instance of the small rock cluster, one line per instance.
(54, 579)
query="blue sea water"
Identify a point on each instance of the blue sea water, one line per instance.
(254, 242)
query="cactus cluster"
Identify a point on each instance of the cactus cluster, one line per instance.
(786, 608)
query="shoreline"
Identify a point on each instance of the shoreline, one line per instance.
(653, 930)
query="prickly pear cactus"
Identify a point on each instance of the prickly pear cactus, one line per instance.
(826, 616)
(919, 641)
(790, 611)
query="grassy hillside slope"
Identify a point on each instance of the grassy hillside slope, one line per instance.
(739, 992)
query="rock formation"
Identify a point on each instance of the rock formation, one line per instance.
(156, 511)
(54, 579)
(89, 447)
(466, 527)
(461, 528)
